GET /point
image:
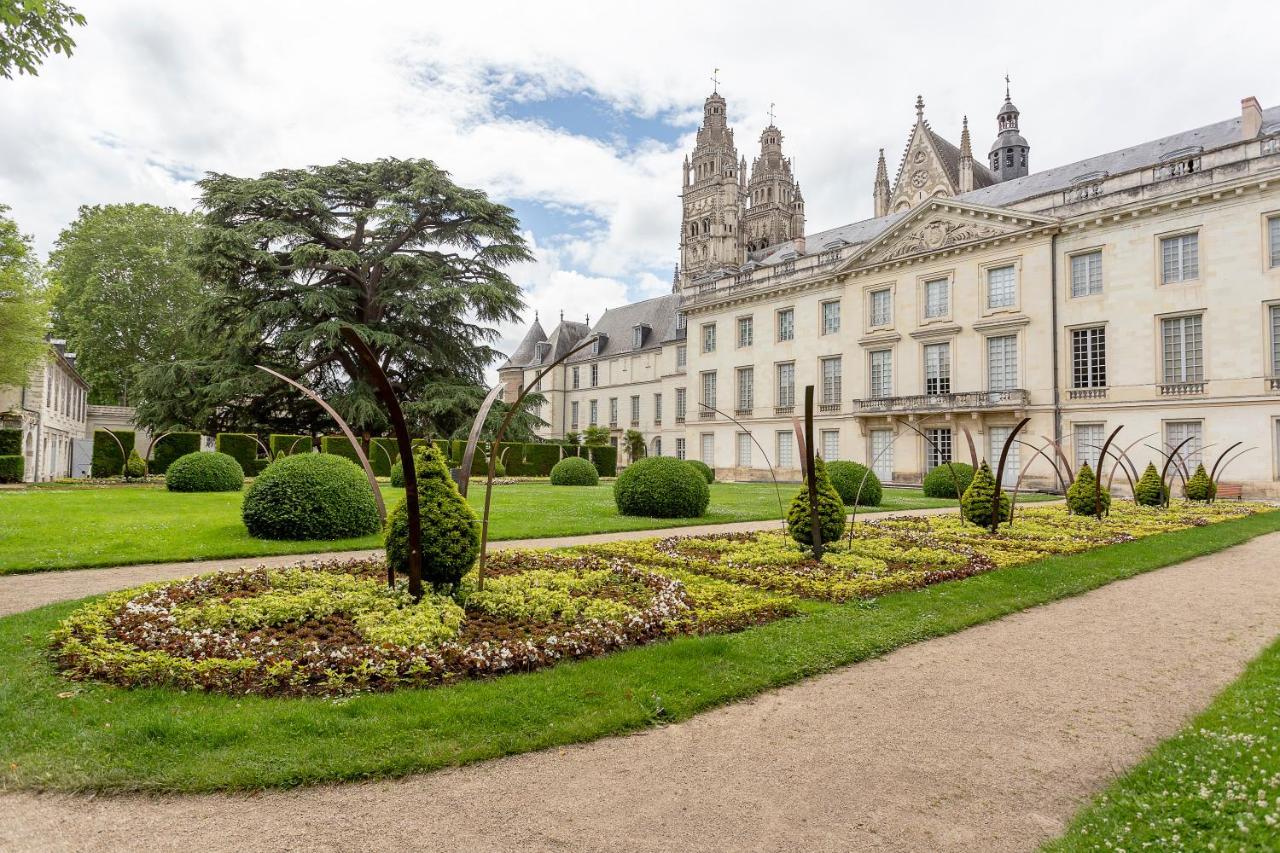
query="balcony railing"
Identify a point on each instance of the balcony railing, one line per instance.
(783, 411)
(828, 408)
(742, 413)
(1273, 383)
(706, 414)
(679, 419)
(1087, 393)
(1178, 389)
(967, 400)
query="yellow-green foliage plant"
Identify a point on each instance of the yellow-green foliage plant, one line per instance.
(136, 469)
(450, 530)
(1200, 487)
(1150, 490)
(831, 514)
(1083, 496)
(979, 499)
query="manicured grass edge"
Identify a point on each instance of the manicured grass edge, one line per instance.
(167, 741)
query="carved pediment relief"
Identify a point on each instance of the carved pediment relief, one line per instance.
(938, 234)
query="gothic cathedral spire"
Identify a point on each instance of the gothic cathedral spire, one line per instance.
(713, 198)
(881, 192)
(775, 212)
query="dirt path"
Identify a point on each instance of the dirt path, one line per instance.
(26, 591)
(989, 739)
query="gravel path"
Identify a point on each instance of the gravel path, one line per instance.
(988, 739)
(27, 591)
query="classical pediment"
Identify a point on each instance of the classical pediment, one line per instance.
(943, 225)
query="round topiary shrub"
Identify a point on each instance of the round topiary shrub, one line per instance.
(204, 472)
(940, 482)
(1083, 495)
(1151, 490)
(450, 530)
(661, 487)
(397, 475)
(310, 496)
(708, 473)
(978, 503)
(1200, 487)
(574, 471)
(831, 515)
(847, 476)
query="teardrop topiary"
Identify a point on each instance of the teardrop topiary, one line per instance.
(847, 476)
(831, 515)
(310, 496)
(1200, 487)
(979, 499)
(661, 487)
(1083, 496)
(204, 472)
(574, 471)
(1151, 490)
(450, 529)
(134, 467)
(942, 481)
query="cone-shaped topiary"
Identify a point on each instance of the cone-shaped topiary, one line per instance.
(450, 530)
(1150, 490)
(397, 475)
(661, 487)
(574, 471)
(134, 467)
(1083, 495)
(831, 516)
(847, 476)
(1200, 487)
(204, 472)
(976, 505)
(941, 481)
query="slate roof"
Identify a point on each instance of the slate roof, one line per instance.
(524, 353)
(950, 155)
(659, 314)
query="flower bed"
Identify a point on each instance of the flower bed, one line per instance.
(335, 628)
(898, 553)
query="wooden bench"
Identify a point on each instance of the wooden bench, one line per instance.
(1230, 490)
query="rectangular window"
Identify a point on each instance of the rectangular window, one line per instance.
(787, 324)
(882, 454)
(1088, 440)
(595, 375)
(681, 403)
(783, 441)
(1175, 432)
(744, 450)
(708, 391)
(709, 449)
(937, 301)
(594, 408)
(830, 317)
(1002, 363)
(682, 355)
(1179, 258)
(881, 307)
(575, 378)
(1089, 357)
(830, 445)
(1001, 285)
(881, 373)
(786, 384)
(1183, 349)
(746, 389)
(657, 408)
(681, 451)
(681, 322)
(937, 448)
(613, 411)
(999, 435)
(1086, 274)
(937, 369)
(831, 381)
(637, 337)
(635, 410)
(1275, 340)
(1273, 239)
(709, 337)
(746, 331)
(573, 417)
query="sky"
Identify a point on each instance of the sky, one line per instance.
(578, 115)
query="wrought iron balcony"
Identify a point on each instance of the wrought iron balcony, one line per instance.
(1177, 389)
(963, 401)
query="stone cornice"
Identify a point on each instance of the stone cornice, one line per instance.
(879, 338)
(941, 330)
(1003, 321)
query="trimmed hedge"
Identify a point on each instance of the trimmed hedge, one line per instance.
(205, 472)
(847, 476)
(706, 471)
(450, 530)
(289, 445)
(311, 496)
(574, 471)
(107, 461)
(12, 467)
(338, 445)
(242, 447)
(10, 442)
(661, 487)
(939, 483)
(379, 451)
(171, 447)
(541, 458)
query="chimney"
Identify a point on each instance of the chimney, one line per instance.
(1250, 117)
(798, 243)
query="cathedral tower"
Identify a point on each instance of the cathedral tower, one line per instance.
(776, 208)
(711, 226)
(1009, 153)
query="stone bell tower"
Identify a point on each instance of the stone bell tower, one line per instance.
(775, 212)
(712, 198)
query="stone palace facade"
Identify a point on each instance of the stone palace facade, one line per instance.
(1139, 287)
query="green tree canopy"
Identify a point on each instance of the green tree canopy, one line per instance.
(393, 248)
(23, 313)
(32, 29)
(126, 290)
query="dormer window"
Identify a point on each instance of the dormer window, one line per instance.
(595, 346)
(638, 333)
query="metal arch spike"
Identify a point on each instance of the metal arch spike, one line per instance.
(151, 445)
(1004, 455)
(1097, 480)
(473, 438)
(1133, 468)
(973, 450)
(1057, 473)
(1164, 472)
(1227, 464)
(124, 457)
(1066, 463)
(1213, 475)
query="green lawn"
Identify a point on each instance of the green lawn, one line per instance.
(1215, 786)
(82, 736)
(49, 528)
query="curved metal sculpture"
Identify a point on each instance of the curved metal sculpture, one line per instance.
(1118, 456)
(1213, 474)
(1133, 468)
(1004, 455)
(1226, 464)
(1057, 448)
(954, 479)
(473, 438)
(388, 395)
(973, 450)
(776, 489)
(151, 445)
(1097, 480)
(808, 453)
(1164, 472)
(342, 424)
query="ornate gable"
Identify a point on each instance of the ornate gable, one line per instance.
(923, 173)
(943, 225)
